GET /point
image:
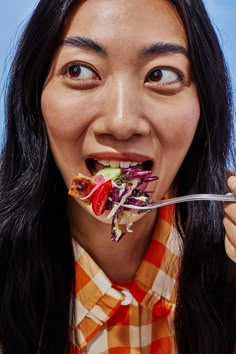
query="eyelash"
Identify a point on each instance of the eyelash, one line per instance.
(172, 77)
(78, 69)
(163, 73)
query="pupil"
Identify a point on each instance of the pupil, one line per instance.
(74, 71)
(156, 75)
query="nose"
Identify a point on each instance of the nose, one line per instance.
(123, 115)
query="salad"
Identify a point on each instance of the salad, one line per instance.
(111, 188)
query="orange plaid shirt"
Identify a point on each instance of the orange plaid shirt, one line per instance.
(131, 318)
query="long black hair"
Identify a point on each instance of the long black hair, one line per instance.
(36, 256)
(205, 318)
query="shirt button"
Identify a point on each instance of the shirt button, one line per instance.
(128, 298)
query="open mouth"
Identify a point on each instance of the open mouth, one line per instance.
(94, 165)
(112, 185)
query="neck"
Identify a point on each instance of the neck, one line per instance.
(119, 260)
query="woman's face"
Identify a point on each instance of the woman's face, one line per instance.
(120, 90)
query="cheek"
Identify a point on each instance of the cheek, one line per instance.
(64, 114)
(66, 126)
(175, 132)
(183, 128)
(178, 122)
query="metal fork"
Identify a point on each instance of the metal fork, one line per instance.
(185, 198)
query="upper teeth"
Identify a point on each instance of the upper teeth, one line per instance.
(115, 163)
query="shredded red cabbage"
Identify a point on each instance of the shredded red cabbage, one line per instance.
(124, 185)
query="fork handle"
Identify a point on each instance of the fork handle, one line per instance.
(186, 198)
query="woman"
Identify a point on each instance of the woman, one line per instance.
(104, 83)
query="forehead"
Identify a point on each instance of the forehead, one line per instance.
(136, 22)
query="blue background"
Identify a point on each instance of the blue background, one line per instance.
(14, 14)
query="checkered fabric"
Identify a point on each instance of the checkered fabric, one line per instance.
(133, 317)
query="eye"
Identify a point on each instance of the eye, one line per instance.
(163, 76)
(80, 72)
(165, 80)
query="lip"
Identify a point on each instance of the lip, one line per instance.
(126, 156)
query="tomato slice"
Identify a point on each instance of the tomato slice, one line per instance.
(100, 196)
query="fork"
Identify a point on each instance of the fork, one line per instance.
(185, 198)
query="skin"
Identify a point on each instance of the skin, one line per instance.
(115, 109)
(230, 222)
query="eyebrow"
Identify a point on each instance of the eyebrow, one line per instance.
(148, 51)
(163, 48)
(85, 43)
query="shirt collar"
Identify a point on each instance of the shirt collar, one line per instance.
(158, 272)
(96, 299)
